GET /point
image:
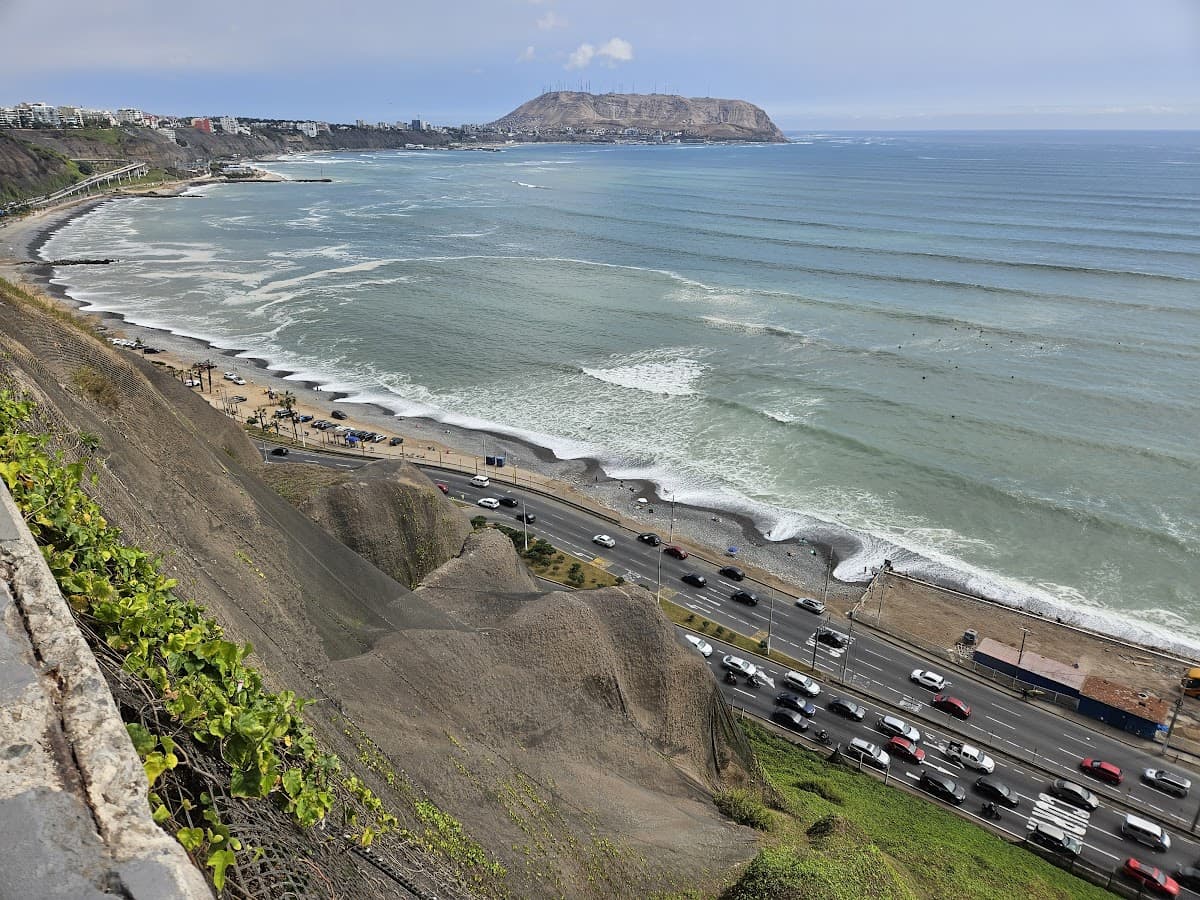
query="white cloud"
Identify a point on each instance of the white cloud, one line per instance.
(613, 51)
(617, 50)
(551, 20)
(580, 57)
(526, 55)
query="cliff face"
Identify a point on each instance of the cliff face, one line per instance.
(568, 731)
(189, 146)
(28, 169)
(705, 117)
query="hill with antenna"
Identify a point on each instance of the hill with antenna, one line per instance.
(575, 115)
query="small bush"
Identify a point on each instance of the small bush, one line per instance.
(744, 808)
(821, 788)
(691, 617)
(478, 522)
(97, 387)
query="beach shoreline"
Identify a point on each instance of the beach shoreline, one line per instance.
(797, 564)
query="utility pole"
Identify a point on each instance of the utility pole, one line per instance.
(1170, 730)
(525, 522)
(671, 533)
(770, 623)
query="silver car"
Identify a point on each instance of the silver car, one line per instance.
(1167, 782)
(864, 750)
(894, 727)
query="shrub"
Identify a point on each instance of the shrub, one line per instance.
(97, 387)
(478, 522)
(744, 808)
(821, 788)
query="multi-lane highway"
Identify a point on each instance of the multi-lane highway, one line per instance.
(1031, 745)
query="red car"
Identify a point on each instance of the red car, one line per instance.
(952, 705)
(677, 552)
(903, 748)
(1105, 771)
(1158, 881)
(441, 487)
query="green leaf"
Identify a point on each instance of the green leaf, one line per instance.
(219, 861)
(143, 740)
(192, 839)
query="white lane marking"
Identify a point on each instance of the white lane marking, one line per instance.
(747, 693)
(998, 722)
(867, 664)
(1085, 742)
(344, 466)
(873, 653)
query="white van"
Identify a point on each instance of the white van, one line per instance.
(1146, 832)
(481, 481)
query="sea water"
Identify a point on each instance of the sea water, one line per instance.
(973, 354)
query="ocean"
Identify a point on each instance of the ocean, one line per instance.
(973, 354)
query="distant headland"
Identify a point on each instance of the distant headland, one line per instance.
(573, 115)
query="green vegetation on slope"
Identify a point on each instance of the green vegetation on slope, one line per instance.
(204, 693)
(848, 836)
(27, 170)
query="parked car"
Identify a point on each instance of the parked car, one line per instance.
(304, 417)
(903, 748)
(488, 502)
(748, 597)
(395, 442)
(789, 718)
(800, 682)
(896, 727)
(997, 790)
(1167, 782)
(527, 517)
(649, 537)
(677, 552)
(703, 647)
(847, 709)
(799, 704)
(811, 604)
(695, 579)
(338, 414)
(952, 705)
(1054, 838)
(1102, 771)
(927, 679)
(863, 750)
(604, 541)
(1074, 794)
(194, 382)
(831, 638)
(240, 399)
(942, 787)
(512, 502)
(732, 572)
(1152, 877)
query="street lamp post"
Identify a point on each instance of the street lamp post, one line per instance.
(770, 623)
(671, 532)
(849, 644)
(816, 634)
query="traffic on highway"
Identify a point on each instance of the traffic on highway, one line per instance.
(1044, 776)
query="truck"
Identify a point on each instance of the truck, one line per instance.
(969, 757)
(1191, 683)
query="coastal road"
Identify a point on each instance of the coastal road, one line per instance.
(1104, 846)
(1034, 743)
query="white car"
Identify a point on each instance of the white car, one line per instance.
(238, 380)
(229, 376)
(894, 727)
(194, 382)
(604, 540)
(970, 757)
(480, 481)
(488, 502)
(927, 679)
(739, 665)
(864, 750)
(703, 647)
(802, 683)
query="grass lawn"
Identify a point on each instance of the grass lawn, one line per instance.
(846, 835)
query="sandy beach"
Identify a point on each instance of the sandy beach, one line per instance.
(794, 565)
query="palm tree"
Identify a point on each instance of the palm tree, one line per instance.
(288, 401)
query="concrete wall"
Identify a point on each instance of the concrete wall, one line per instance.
(74, 820)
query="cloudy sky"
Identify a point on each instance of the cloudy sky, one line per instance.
(812, 64)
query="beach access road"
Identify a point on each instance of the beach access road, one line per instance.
(1024, 736)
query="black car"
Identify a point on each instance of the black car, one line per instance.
(789, 718)
(832, 638)
(942, 787)
(1189, 877)
(510, 501)
(1074, 794)
(304, 418)
(280, 451)
(527, 517)
(396, 442)
(338, 414)
(1054, 838)
(997, 790)
(732, 572)
(847, 708)
(799, 704)
(649, 537)
(694, 579)
(747, 597)
(240, 399)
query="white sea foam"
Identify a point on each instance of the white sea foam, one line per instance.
(669, 372)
